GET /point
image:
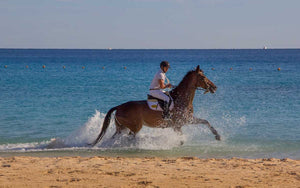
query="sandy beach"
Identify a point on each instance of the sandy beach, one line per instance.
(147, 172)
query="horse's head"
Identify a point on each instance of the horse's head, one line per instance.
(204, 82)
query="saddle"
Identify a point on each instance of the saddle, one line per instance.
(158, 104)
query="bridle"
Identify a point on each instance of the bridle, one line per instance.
(196, 87)
(206, 84)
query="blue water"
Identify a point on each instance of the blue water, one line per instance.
(57, 111)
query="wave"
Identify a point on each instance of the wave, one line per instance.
(196, 140)
(148, 139)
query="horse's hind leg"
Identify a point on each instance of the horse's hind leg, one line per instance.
(128, 120)
(131, 135)
(119, 128)
(134, 129)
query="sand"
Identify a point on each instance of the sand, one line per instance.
(147, 172)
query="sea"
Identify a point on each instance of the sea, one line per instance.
(53, 102)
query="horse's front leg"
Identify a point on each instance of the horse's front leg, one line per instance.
(178, 130)
(205, 122)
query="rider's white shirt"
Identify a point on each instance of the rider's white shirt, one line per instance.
(155, 89)
(160, 75)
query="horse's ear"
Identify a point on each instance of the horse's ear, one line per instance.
(198, 69)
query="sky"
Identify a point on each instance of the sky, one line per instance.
(149, 24)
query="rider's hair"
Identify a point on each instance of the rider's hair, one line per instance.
(164, 64)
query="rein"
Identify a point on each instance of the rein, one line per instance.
(197, 88)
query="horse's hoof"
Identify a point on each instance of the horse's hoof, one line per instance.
(218, 137)
(181, 143)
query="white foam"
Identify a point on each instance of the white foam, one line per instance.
(197, 139)
(87, 133)
(146, 139)
(23, 146)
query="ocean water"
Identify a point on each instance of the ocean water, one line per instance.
(57, 110)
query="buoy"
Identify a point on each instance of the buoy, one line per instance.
(279, 69)
(212, 68)
(103, 67)
(44, 66)
(230, 68)
(64, 67)
(5, 66)
(83, 67)
(26, 66)
(125, 67)
(250, 69)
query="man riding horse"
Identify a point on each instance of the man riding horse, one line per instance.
(133, 115)
(157, 86)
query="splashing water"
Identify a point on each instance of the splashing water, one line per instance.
(196, 140)
(147, 139)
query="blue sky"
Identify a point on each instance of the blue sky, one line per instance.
(148, 24)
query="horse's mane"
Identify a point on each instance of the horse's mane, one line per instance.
(183, 82)
(185, 78)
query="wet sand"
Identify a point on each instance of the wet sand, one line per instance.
(147, 172)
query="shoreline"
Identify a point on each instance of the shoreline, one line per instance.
(97, 171)
(134, 153)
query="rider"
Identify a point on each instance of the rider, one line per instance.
(157, 86)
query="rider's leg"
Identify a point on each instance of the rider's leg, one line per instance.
(161, 95)
(166, 114)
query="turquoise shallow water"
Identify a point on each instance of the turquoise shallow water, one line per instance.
(56, 111)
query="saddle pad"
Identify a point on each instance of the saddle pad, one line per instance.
(153, 105)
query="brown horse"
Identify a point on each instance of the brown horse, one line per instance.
(134, 114)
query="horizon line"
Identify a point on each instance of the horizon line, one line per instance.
(148, 48)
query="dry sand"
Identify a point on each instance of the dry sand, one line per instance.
(147, 172)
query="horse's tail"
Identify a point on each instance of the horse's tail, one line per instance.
(105, 125)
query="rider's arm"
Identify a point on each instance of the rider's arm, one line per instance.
(163, 85)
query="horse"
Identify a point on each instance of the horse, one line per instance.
(133, 115)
